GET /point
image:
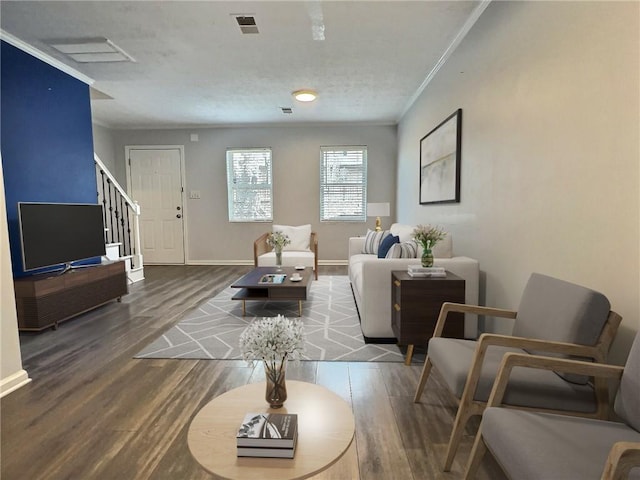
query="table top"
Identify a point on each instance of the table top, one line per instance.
(404, 275)
(252, 279)
(325, 430)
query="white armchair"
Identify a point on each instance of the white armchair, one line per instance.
(303, 249)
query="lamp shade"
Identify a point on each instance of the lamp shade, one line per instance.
(378, 210)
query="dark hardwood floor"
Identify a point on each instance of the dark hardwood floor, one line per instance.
(92, 411)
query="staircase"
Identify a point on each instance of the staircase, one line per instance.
(121, 222)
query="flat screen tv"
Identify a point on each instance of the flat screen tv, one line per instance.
(55, 234)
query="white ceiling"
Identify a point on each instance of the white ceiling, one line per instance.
(193, 66)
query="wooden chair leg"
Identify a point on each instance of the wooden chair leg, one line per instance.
(462, 417)
(426, 370)
(477, 453)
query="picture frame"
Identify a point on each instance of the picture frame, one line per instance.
(440, 160)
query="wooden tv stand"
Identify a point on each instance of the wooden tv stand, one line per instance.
(44, 301)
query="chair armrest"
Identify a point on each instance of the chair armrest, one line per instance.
(260, 246)
(549, 346)
(464, 308)
(511, 360)
(313, 244)
(622, 458)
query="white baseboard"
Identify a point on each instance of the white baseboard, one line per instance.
(135, 275)
(13, 382)
(250, 262)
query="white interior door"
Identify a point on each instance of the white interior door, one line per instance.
(156, 184)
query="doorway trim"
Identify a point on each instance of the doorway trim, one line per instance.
(185, 213)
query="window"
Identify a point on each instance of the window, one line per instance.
(249, 185)
(343, 184)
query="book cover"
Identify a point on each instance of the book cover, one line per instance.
(271, 430)
(273, 278)
(426, 274)
(420, 268)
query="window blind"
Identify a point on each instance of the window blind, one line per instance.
(343, 183)
(249, 185)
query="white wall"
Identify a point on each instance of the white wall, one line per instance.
(104, 147)
(12, 376)
(296, 176)
(550, 150)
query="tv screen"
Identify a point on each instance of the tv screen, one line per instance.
(59, 233)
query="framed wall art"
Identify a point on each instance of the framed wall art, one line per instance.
(440, 162)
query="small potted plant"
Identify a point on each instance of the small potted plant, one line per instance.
(428, 236)
(274, 340)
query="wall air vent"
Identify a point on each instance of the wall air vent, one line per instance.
(247, 24)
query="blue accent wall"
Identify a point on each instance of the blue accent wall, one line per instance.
(46, 138)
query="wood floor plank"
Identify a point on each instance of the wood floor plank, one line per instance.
(379, 443)
(93, 411)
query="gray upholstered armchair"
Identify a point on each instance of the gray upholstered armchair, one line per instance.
(532, 445)
(554, 318)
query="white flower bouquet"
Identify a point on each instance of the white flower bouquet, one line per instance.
(278, 240)
(428, 235)
(272, 339)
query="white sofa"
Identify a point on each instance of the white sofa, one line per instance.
(371, 282)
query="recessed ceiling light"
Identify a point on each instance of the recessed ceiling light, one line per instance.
(305, 95)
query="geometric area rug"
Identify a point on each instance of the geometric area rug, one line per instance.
(331, 326)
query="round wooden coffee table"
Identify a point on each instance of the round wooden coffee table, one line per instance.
(325, 431)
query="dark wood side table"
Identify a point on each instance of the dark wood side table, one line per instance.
(415, 306)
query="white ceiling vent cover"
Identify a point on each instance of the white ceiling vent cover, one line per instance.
(91, 50)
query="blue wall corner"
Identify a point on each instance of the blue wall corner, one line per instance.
(46, 138)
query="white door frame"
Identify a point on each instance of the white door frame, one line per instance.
(185, 216)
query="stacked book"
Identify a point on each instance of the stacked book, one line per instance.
(420, 271)
(268, 435)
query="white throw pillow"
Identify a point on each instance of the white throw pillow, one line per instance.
(373, 240)
(299, 236)
(403, 250)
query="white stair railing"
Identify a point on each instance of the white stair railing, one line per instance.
(121, 216)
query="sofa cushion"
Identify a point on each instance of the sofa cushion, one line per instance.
(373, 240)
(386, 244)
(403, 250)
(404, 232)
(299, 236)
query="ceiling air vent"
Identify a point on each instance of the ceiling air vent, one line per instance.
(91, 50)
(247, 24)
(286, 109)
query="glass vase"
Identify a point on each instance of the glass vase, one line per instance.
(279, 260)
(427, 258)
(275, 373)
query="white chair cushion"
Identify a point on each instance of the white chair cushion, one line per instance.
(299, 236)
(289, 259)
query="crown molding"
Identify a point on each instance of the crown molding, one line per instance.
(473, 18)
(34, 52)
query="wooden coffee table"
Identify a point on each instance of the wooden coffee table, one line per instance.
(251, 288)
(325, 431)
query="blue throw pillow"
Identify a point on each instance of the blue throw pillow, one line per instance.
(386, 244)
